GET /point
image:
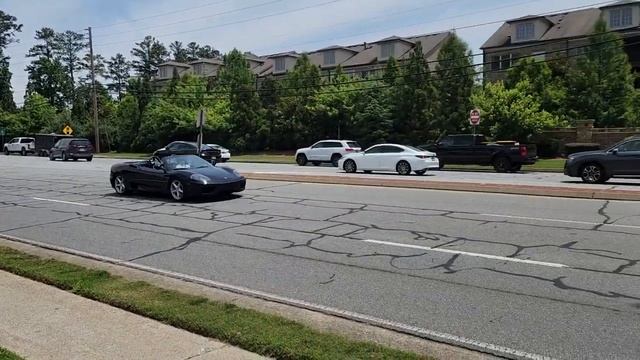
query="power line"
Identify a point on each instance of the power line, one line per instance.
(193, 19)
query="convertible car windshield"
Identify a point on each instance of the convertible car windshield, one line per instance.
(184, 162)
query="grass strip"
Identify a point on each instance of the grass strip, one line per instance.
(8, 355)
(265, 334)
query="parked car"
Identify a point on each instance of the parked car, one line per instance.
(326, 151)
(44, 142)
(390, 157)
(22, 145)
(504, 156)
(596, 167)
(72, 148)
(208, 153)
(181, 176)
(225, 154)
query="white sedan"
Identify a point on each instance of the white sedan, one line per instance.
(225, 154)
(390, 157)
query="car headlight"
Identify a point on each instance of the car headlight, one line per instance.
(200, 178)
(236, 172)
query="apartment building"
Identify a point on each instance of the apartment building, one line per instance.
(360, 59)
(559, 35)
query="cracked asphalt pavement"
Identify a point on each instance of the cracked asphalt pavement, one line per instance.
(550, 276)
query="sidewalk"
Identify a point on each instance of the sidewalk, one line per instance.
(43, 322)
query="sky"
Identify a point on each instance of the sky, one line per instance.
(261, 26)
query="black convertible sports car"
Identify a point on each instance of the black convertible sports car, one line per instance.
(182, 176)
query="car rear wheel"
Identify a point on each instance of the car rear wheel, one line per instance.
(120, 185)
(301, 159)
(403, 168)
(64, 156)
(420, 172)
(176, 189)
(593, 174)
(350, 166)
(502, 164)
(334, 159)
(90, 158)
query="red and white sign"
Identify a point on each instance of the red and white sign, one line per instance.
(474, 117)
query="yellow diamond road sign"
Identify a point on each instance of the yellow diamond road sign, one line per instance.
(67, 130)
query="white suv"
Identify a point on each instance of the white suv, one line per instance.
(326, 151)
(22, 145)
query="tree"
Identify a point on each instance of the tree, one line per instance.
(208, 52)
(371, 123)
(8, 28)
(118, 72)
(179, 52)
(297, 123)
(512, 114)
(67, 46)
(601, 84)
(244, 104)
(127, 118)
(39, 113)
(47, 75)
(546, 87)
(149, 53)
(98, 66)
(415, 100)
(391, 72)
(454, 79)
(192, 51)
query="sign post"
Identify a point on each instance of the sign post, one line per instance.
(474, 119)
(201, 117)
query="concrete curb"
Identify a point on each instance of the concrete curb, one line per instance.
(512, 189)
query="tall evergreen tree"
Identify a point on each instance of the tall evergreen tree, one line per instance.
(118, 72)
(179, 52)
(414, 101)
(601, 84)
(192, 51)
(67, 46)
(240, 82)
(148, 54)
(8, 28)
(391, 72)
(454, 78)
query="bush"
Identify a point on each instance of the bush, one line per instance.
(548, 148)
(573, 148)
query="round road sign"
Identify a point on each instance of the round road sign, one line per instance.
(474, 117)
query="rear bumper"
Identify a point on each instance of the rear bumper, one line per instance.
(427, 164)
(80, 155)
(529, 161)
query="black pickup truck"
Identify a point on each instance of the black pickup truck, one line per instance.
(504, 156)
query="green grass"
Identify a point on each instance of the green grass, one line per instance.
(264, 158)
(8, 355)
(265, 334)
(543, 165)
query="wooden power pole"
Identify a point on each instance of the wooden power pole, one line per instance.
(95, 94)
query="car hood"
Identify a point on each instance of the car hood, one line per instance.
(216, 173)
(587, 153)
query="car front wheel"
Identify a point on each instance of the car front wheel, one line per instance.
(502, 164)
(6, 151)
(301, 159)
(120, 185)
(593, 174)
(176, 189)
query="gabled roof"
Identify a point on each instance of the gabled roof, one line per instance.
(393, 38)
(336, 47)
(292, 54)
(174, 63)
(208, 61)
(573, 24)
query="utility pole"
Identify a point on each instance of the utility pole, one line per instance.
(95, 94)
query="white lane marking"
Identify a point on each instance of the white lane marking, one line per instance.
(561, 221)
(62, 202)
(353, 316)
(449, 251)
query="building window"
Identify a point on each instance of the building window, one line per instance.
(525, 31)
(387, 50)
(280, 64)
(198, 69)
(329, 57)
(620, 17)
(164, 71)
(501, 62)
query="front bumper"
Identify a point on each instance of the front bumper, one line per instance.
(218, 189)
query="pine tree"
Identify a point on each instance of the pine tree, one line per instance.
(179, 52)
(118, 72)
(149, 53)
(454, 79)
(8, 28)
(67, 46)
(601, 84)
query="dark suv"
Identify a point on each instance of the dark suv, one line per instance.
(72, 148)
(207, 152)
(596, 167)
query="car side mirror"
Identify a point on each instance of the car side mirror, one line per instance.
(614, 151)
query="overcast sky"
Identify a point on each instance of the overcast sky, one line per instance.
(260, 26)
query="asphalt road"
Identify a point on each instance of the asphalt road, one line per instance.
(550, 276)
